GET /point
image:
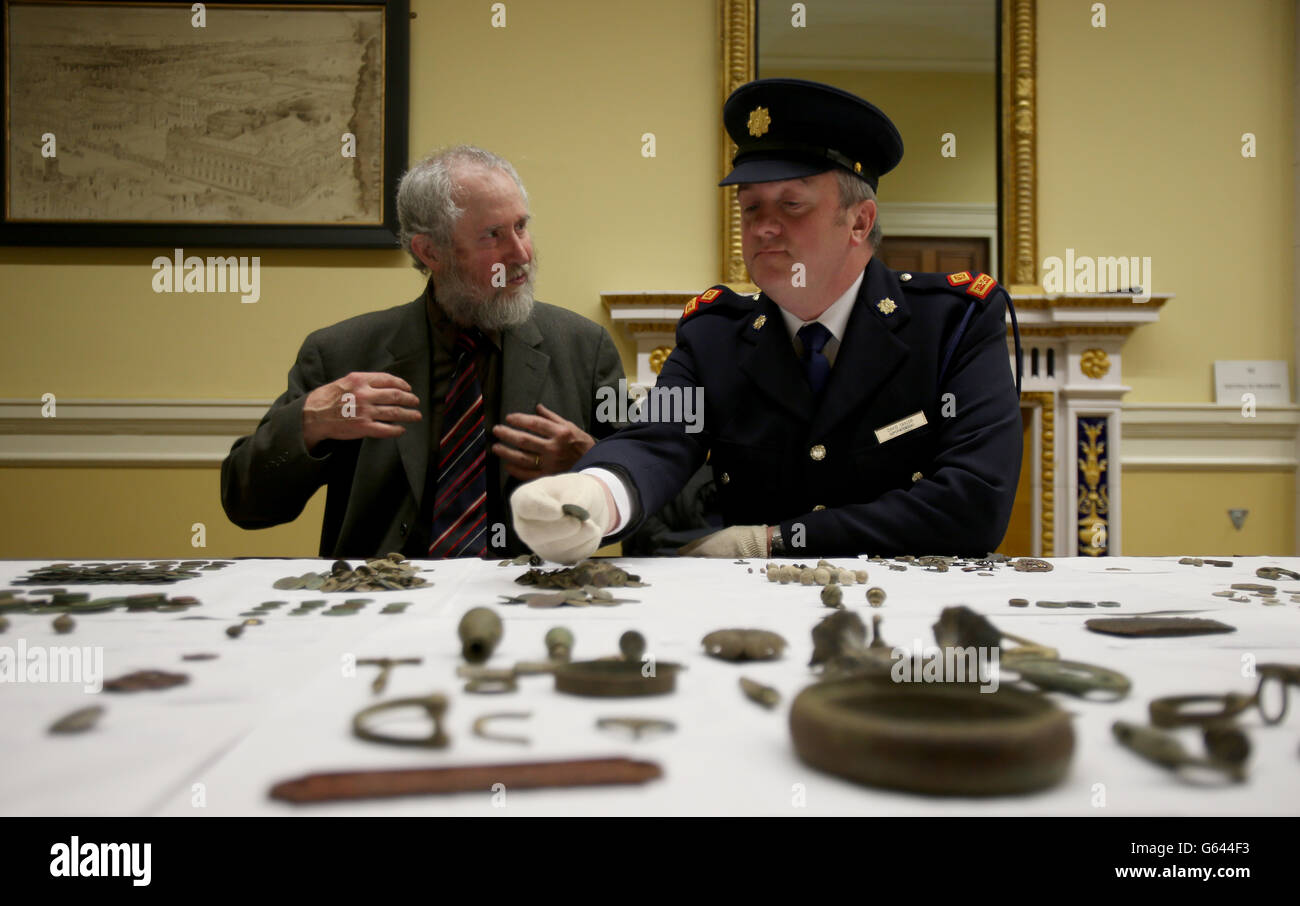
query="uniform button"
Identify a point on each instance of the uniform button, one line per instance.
(904, 277)
(917, 476)
(725, 478)
(818, 508)
(818, 453)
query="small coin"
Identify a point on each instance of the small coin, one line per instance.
(1055, 605)
(64, 624)
(577, 512)
(143, 680)
(78, 721)
(288, 583)
(1080, 604)
(234, 631)
(1108, 603)
(1019, 602)
(199, 656)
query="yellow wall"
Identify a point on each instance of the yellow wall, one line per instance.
(1139, 154)
(924, 106)
(1186, 513)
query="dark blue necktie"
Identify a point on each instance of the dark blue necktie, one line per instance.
(814, 337)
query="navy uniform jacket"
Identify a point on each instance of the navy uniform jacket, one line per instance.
(820, 470)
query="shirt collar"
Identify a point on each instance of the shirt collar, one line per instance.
(835, 318)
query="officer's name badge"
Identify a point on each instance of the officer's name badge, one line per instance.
(902, 426)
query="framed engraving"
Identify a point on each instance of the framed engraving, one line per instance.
(181, 123)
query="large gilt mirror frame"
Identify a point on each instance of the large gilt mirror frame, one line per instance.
(1018, 176)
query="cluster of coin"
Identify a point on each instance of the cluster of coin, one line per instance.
(1267, 594)
(60, 600)
(588, 572)
(391, 573)
(983, 565)
(523, 560)
(123, 573)
(823, 573)
(1061, 605)
(586, 596)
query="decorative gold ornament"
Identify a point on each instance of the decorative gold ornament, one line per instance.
(887, 306)
(759, 121)
(759, 322)
(658, 356)
(1094, 363)
(1046, 401)
(1094, 502)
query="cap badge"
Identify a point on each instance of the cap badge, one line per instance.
(759, 322)
(886, 306)
(759, 120)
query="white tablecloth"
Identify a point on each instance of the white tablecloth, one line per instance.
(278, 704)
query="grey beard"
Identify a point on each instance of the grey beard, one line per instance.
(503, 308)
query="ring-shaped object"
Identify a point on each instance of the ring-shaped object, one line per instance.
(1285, 675)
(1180, 710)
(491, 685)
(939, 738)
(614, 679)
(1073, 677)
(434, 705)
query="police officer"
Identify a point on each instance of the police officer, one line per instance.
(848, 408)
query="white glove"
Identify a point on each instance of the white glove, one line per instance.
(734, 541)
(547, 529)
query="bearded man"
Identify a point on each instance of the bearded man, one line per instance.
(393, 410)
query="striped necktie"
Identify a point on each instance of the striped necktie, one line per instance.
(460, 509)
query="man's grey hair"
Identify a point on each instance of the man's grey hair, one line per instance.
(853, 190)
(426, 196)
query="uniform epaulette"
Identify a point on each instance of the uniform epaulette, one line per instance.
(978, 286)
(717, 298)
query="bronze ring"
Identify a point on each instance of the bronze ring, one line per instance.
(1182, 711)
(434, 705)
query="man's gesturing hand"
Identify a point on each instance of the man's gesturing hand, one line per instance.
(548, 444)
(553, 534)
(376, 399)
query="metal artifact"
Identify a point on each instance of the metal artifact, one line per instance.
(385, 664)
(78, 721)
(389, 573)
(760, 694)
(588, 572)
(64, 624)
(743, 645)
(1031, 565)
(618, 677)
(1157, 627)
(1228, 751)
(199, 656)
(523, 560)
(1276, 572)
(1221, 563)
(875, 596)
(577, 512)
(145, 680)
(559, 643)
(637, 726)
(937, 738)
(488, 680)
(840, 646)
(480, 631)
(1211, 710)
(480, 726)
(435, 706)
(235, 631)
(468, 778)
(961, 627)
(1073, 677)
(833, 596)
(4, 623)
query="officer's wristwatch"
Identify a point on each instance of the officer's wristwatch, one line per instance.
(777, 547)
